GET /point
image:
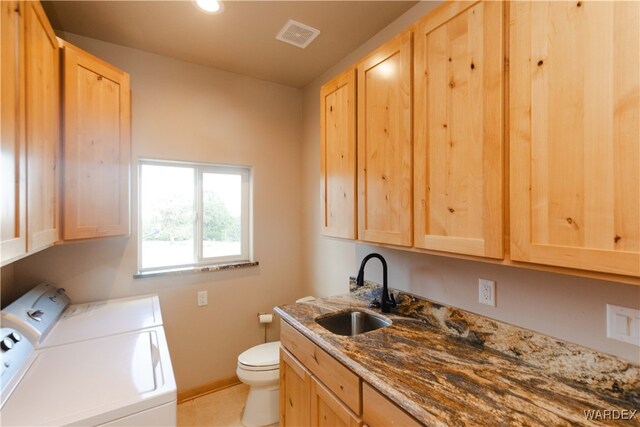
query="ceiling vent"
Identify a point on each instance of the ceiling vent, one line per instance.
(297, 34)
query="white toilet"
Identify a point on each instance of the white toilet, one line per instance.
(259, 368)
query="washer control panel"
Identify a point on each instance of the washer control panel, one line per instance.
(14, 357)
(35, 313)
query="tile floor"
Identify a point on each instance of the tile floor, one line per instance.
(222, 408)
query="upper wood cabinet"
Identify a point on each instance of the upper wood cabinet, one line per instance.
(385, 176)
(42, 128)
(458, 151)
(13, 195)
(96, 147)
(575, 134)
(338, 155)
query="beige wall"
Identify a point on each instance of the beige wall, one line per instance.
(565, 307)
(189, 112)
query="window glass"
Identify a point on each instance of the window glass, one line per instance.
(222, 208)
(192, 214)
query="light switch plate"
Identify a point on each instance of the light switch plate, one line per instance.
(623, 324)
(487, 292)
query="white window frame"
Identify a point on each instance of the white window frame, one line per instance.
(200, 169)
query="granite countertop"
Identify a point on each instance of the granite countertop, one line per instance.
(450, 367)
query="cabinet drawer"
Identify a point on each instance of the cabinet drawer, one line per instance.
(338, 378)
(379, 411)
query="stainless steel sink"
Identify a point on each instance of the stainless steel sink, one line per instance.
(352, 323)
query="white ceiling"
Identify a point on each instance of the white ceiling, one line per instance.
(241, 39)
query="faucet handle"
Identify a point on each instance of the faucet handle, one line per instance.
(375, 303)
(392, 300)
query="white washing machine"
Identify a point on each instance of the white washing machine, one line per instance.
(87, 365)
(48, 319)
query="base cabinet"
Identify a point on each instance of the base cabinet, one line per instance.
(295, 390)
(317, 390)
(377, 410)
(327, 410)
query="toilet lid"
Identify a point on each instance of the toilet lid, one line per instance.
(262, 355)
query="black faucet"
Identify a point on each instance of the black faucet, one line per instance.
(387, 301)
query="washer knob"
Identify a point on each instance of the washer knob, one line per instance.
(61, 291)
(36, 315)
(16, 337)
(6, 344)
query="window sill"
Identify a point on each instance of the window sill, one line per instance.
(196, 269)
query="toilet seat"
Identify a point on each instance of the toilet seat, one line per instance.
(263, 357)
(258, 368)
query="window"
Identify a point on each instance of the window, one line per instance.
(192, 215)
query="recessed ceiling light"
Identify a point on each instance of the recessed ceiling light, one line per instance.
(210, 6)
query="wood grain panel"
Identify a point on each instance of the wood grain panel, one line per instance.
(338, 155)
(338, 378)
(13, 196)
(380, 411)
(575, 113)
(327, 410)
(295, 392)
(458, 152)
(42, 129)
(385, 213)
(96, 147)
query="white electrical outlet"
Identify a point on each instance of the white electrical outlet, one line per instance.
(202, 298)
(487, 292)
(623, 324)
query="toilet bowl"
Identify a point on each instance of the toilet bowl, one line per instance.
(259, 368)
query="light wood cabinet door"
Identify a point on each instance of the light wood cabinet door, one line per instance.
(575, 134)
(378, 411)
(385, 189)
(338, 155)
(334, 375)
(42, 129)
(458, 122)
(96, 147)
(327, 410)
(13, 194)
(295, 392)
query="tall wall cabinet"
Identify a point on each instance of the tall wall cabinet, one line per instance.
(13, 196)
(458, 126)
(384, 144)
(338, 155)
(515, 137)
(575, 134)
(30, 130)
(43, 128)
(96, 158)
(96, 147)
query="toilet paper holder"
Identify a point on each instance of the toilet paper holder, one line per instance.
(265, 318)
